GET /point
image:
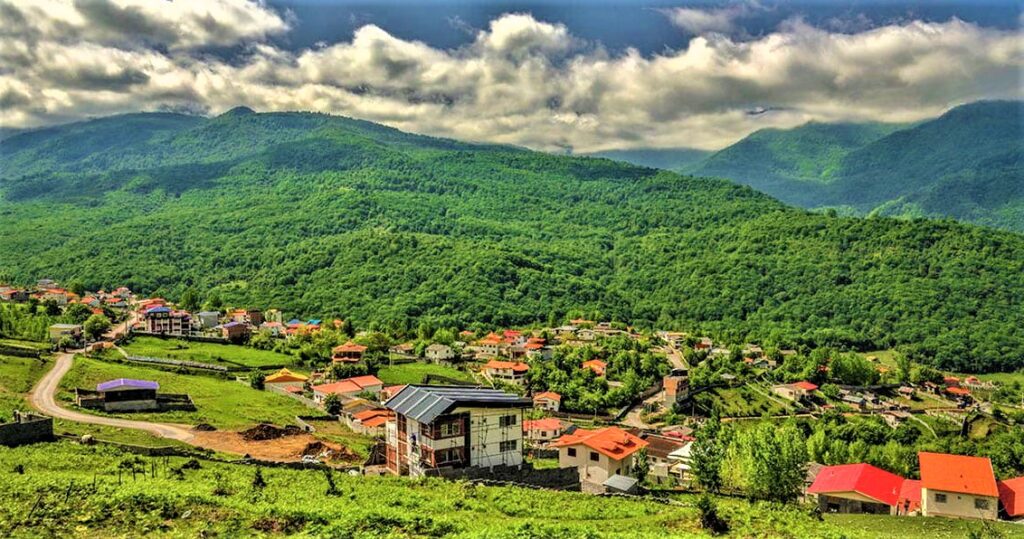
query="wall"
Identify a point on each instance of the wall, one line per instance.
(26, 429)
(485, 435)
(557, 479)
(957, 505)
(593, 471)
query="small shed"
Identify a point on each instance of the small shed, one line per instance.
(621, 484)
(125, 394)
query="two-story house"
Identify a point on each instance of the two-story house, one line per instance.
(453, 427)
(598, 454)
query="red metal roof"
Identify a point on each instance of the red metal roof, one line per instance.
(864, 479)
(1011, 495)
(910, 495)
(957, 473)
(548, 395)
(805, 385)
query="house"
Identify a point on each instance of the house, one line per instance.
(677, 387)
(57, 295)
(586, 334)
(234, 331)
(857, 488)
(60, 331)
(164, 320)
(513, 338)
(675, 339)
(795, 391)
(253, 317)
(440, 352)
(492, 345)
(453, 427)
(704, 344)
(349, 352)
(276, 329)
(349, 387)
(547, 400)
(595, 365)
(958, 486)
(658, 450)
(404, 349)
(509, 372)
(909, 502)
(121, 395)
(208, 319)
(285, 378)
(598, 454)
(542, 431)
(854, 401)
(907, 392)
(372, 422)
(1011, 497)
(951, 381)
(390, 391)
(959, 393)
(14, 294)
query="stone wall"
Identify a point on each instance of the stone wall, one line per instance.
(27, 428)
(550, 478)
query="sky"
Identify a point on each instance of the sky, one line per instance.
(553, 75)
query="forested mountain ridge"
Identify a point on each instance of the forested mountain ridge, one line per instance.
(967, 164)
(328, 216)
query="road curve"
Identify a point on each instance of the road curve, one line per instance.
(43, 399)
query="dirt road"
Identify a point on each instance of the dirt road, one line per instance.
(43, 399)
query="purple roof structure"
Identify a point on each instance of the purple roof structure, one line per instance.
(127, 383)
(232, 324)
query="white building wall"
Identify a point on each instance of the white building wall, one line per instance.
(486, 435)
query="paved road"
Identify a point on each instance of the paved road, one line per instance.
(42, 398)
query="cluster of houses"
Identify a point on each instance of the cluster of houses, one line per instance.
(47, 290)
(951, 486)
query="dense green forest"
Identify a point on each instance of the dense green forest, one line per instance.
(328, 216)
(967, 164)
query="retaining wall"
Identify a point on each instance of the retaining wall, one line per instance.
(27, 428)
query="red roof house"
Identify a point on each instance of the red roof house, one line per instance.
(611, 442)
(1011, 496)
(595, 365)
(805, 385)
(946, 476)
(349, 352)
(865, 480)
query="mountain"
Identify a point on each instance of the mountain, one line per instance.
(334, 217)
(967, 164)
(665, 158)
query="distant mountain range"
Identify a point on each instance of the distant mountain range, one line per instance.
(967, 164)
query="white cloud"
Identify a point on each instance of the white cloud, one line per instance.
(520, 81)
(700, 21)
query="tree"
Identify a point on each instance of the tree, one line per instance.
(96, 326)
(190, 300)
(76, 287)
(332, 404)
(641, 465)
(77, 313)
(903, 368)
(707, 453)
(257, 380)
(774, 461)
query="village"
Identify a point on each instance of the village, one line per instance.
(589, 405)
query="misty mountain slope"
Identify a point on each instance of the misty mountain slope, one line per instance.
(328, 216)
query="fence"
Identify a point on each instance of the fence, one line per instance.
(178, 363)
(193, 338)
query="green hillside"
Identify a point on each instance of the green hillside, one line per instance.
(329, 216)
(967, 164)
(675, 159)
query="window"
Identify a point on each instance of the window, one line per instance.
(451, 429)
(940, 498)
(507, 421)
(980, 504)
(509, 445)
(593, 456)
(571, 451)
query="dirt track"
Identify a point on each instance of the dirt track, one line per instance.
(287, 448)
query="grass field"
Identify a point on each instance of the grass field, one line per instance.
(739, 402)
(335, 431)
(413, 373)
(17, 343)
(220, 500)
(225, 404)
(17, 376)
(220, 354)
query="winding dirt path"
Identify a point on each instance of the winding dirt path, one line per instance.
(43, 399)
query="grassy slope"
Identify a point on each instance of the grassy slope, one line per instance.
(17, 376)
(413, 373)
(294, 501)
(225, 404)
(206, 352)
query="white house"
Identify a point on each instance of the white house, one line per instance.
(440, 352)
(598, 454)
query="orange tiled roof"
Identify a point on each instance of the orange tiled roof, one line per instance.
(491, 338)
(349, 347)
(805, 385)
(516, 366)
(548, 395)
(595, 365)
(611, 442)
(957, 473)
(1011, 494)
(548, 423)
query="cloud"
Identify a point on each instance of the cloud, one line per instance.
(519, 81)
(700, 21)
